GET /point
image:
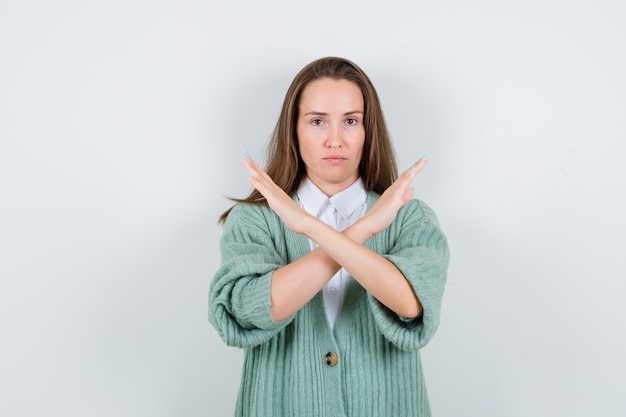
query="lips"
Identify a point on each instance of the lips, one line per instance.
(335, 159)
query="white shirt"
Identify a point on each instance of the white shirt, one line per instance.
(340, 211)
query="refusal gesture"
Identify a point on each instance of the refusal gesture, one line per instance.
(297, 219)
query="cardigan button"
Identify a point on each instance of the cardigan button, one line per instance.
(331, 359)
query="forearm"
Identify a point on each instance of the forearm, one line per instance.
(296, 284)
(376, 274)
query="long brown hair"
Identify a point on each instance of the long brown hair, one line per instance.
(378, 167)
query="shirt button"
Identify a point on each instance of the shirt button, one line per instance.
(333, 290)
(331, 359)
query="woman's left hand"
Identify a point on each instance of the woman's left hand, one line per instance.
(283, 205)
(397, 195)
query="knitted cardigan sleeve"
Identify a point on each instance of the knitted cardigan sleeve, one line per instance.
(239, 295)
(419, 249)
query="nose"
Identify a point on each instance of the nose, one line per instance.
(334, 137)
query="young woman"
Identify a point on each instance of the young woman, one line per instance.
(332, 275)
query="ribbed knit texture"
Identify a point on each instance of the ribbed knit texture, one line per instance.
(379, 372)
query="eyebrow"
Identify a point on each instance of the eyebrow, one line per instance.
(319, 113)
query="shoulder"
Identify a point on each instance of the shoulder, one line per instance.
(245, 211)
(245, 215)
(417, 210)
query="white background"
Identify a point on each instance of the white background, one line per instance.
(121, 128)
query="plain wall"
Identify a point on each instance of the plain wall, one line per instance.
(121, 129)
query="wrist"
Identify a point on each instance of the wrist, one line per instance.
(311, 227)
(359, 231)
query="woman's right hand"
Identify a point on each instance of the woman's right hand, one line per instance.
(397, 195)
(294, 217)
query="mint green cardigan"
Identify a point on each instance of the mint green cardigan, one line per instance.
(286, 369)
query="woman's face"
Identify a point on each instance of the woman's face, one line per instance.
(331, 133)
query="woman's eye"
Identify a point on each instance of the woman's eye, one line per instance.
(317, 122)
(351, 121)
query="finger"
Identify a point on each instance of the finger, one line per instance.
(254, 170)
(259, 179)
(249, 171)
(407, 177)
(408, 194)
(418, 166)
(253, 164)
(254, 174)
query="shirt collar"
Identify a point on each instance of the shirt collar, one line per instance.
(346, 201)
